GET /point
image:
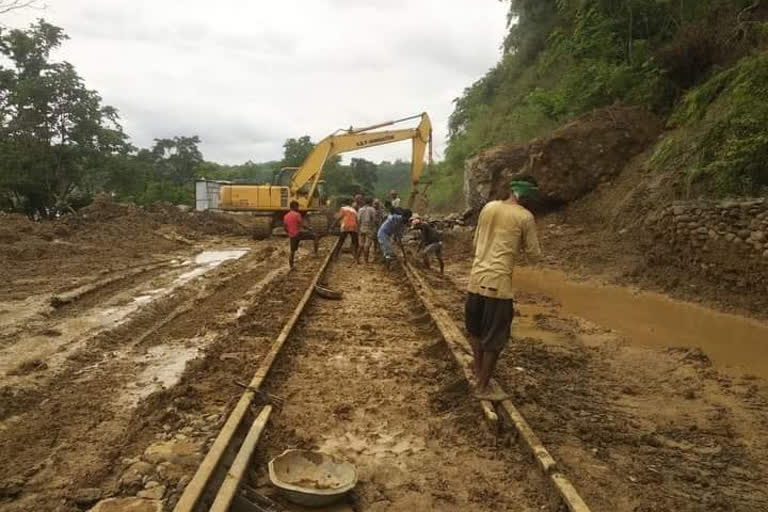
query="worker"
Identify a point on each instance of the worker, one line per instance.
(504, 229)
(348, 218)
(393, 227)
(379, 220)
(366, 221)
(294, 227)
(431, 241)
(358, 202)
(394, 198)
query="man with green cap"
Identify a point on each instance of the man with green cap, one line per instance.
(504, 230)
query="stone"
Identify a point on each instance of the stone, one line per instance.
(176, 452)
(678, 210)
(729, 237)
(155, 493)
(758, 236)
(128, 505)
(133, 477)
(743, 233)
(86, 497)
(170, 472)
(765, 254)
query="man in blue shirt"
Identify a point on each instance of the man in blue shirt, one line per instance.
(393, 227)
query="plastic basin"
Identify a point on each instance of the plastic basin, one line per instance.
(312, 478)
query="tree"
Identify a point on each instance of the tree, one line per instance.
(295, 151)
(7, 6)
(54, 132)
(364, 173)
(177, 159)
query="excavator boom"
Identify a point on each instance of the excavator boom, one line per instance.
(270, 201)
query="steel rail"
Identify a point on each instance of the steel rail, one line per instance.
(212, 461)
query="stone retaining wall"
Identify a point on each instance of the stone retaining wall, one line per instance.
(724, 241)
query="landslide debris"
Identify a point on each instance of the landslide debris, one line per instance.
(570, 162)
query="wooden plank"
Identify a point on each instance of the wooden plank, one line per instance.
(236, 472)
(568, 493)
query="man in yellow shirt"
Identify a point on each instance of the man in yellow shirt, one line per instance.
(504, 230)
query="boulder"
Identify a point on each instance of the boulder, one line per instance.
(570, 162)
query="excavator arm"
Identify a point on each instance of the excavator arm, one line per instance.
(311, 169)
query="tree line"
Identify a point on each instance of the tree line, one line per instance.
(61, 146)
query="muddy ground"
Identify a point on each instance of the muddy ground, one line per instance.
(368, 379)
(118, 363)
(637, 428)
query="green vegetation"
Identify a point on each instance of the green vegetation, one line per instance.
(60, 146)
(562, 58)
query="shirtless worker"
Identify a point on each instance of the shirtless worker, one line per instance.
(293, 221)
(504, 229)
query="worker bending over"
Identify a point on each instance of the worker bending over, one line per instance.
(294, 227)
(504, 229)
(431, 242)
(393, 227)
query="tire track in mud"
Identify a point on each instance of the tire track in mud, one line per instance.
(367, 378)
(72, 433)
(637, 429)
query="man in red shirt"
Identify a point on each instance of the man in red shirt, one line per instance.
(293, 221)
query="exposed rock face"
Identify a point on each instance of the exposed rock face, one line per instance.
(568, 163)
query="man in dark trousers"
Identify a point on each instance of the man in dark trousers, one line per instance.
(504, 230)
(431, 241)
(293, 222)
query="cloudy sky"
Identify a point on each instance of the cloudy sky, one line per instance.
(245, 75)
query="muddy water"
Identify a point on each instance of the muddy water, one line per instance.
(651, 319)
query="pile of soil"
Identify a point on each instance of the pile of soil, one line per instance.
(570, 162)
(106, 225)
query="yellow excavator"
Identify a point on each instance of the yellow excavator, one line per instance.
(305, 184)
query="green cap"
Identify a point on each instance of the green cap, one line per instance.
(522, 188)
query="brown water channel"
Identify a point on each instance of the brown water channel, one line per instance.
(734, 342)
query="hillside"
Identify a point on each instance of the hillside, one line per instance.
(701, 67)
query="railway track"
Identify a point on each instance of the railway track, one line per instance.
(380, 378)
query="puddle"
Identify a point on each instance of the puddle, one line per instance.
(164, 366)
(74, 332)
(207, 261)
(654, 320)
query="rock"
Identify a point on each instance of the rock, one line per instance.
(154, 493)
(11, 487)
(568, 163)
(743, 234)
(176, 452)
(86, 497)
(171, 472)
(133, 477)
(729, 237)
(128, 505)
(758, 236)
(678, 210)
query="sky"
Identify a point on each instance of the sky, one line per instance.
(245, 75)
